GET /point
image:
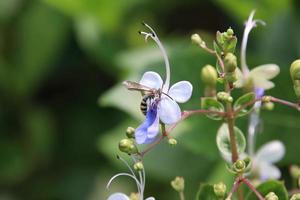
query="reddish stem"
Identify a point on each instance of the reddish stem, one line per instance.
(284, 102)
(253, 189)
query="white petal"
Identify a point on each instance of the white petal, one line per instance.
(268, 71)
(262, 83)
(168, 110)
(268, 171)
(270, 152)
(150, 198)
(240, 78)
(118, 196)
(181, 91)
(152, 80)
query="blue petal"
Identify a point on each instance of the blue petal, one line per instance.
(259, 92)
(147, 131)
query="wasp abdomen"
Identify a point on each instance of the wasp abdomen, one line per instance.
(144, 103)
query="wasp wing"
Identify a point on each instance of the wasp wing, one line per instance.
(130, 85)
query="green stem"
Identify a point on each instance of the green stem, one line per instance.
(181, 196)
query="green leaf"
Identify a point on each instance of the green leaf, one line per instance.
(206, 192)
(210, 103)
(223, 140)
(230, 44)
(246, 98)
(270, 186)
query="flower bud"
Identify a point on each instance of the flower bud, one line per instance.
(230, 62)
(271, 196)
(172, 142)
(239, 166)
(230, 32)
(128, 146)
(209, 75)
(295, 197)
(138, 166)
(295, 75)
(224, 96)
(295, 171)
(220, 189)
(197, 39)
(268, 106)
(134, 196)
(178, 184)
(266, 99)
(130, 132)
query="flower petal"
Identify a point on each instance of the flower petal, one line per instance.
(152, 80)
(268, 171)
(270, 152)
(168, 110)
(181, 91)
(240, 78)
(150, 198)
(118, 196)
(262, 83)
(267, 71)
(149, 128)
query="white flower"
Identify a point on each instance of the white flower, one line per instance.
(265, 157)
(259, 76)
(121, 196)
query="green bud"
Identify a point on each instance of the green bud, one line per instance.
(172, 142)
(220, 189)
(224, 96)
(138, 166)
(134, 196)
(295, 197)
(239, 166)
(178, 184)
(266, 99)
(197, 39)
(295, 70)
(268, 106)
(128, 146)
(130, 132)
(271, 196)
(230, 63)
(209, 75)
(295, 171)
(230, 32)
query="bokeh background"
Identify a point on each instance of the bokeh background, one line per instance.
(63, 109)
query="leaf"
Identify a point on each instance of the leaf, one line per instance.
(210, 103)
(270, 186)
(206, 192)
(223, 140)
(229, 45)
(246, 98)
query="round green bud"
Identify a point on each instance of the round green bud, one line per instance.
(296, 197)
(295, 171)
(172, 142)
(138, 166)
(266, 99)
(134, 196)
(224, 96)
(295, 70)
(269, 106)
(230, 62)
(271, 196)
(230, 32)
(178, 184)
(130, 132)
(197, 39)
(128, 146)
(239, 166)
(209, 75)
(220, 189)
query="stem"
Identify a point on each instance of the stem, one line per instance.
(252, 188)
(236, 185)
(236, 112)
(181, 196)
(284, 102)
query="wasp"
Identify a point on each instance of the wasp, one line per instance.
(149, 94)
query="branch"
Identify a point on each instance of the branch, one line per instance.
(252, 188)
(284, 102)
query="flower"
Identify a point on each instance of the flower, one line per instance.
(163, 108)
(139, 180)
(264, 159)
(259, 77)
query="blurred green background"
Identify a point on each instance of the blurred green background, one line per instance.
(63, 110)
